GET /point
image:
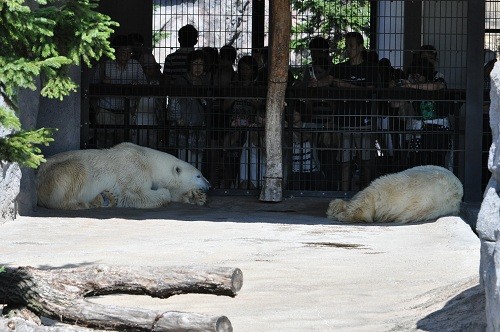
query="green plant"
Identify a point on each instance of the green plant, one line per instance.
(22, 146)
(158, 36)
(44, 42)
(330, 19)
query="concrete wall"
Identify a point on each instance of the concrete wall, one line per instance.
(65, 116)
(17, 183)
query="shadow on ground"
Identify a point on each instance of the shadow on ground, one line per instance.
(241, 209)
(464, 312)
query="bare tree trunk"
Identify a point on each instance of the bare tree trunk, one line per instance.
(272, 190)
(60, 294)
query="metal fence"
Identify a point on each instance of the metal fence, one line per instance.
(351, 115)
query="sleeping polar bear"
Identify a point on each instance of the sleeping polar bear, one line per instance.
(126, 175)
(416, 194)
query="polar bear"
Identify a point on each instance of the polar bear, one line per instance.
(416, 194)
(126, 175)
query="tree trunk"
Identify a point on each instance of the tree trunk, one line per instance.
(272, 190)
(60, 294)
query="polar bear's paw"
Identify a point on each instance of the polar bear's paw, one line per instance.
(104, 199)
(197, 197)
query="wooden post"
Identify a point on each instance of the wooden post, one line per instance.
(272, 190)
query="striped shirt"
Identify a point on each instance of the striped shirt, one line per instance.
(175, 64)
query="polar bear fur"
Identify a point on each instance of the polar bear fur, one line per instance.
(126, 175)
(416, 194)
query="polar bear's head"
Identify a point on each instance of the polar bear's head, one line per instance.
(188, 185)
(186, 176)
(179, 177)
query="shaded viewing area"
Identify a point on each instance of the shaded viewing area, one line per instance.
(327, 149)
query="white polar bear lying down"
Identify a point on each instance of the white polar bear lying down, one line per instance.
(126, 175)
(416, 194)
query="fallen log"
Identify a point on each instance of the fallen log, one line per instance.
(20, 324)
(61, 294)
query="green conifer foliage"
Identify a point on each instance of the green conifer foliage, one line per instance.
(44, 42)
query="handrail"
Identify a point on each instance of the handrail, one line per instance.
(162, 91)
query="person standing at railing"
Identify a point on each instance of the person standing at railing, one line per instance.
(186, 112)
(223, 78)
(352, 117)
(261, 55)
(431, 146)
(150, 110)
(225, 73)
(314, 76)
(389, 121)
(306, 170)
(321, 111)
(111, 110)
(175, 63)
(241, 117)
(212, 60)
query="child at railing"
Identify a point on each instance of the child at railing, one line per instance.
(306, 171)
(240, 114)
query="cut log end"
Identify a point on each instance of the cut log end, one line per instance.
(223, 325)
(237, 280)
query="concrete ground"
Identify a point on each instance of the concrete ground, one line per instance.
(301, 271)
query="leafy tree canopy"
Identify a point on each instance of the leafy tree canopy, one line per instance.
(329, 18)
(44, 40)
